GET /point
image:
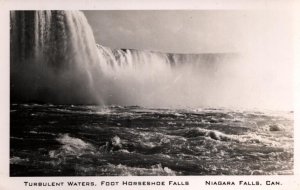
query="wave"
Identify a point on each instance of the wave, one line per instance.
(123, 170)
(71, 146)
(17, 160)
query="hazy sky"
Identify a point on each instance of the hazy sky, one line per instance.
(191, 31)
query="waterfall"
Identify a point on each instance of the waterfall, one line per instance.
(157, 79)
(55, 59)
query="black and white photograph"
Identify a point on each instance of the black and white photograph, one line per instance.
(151, 93)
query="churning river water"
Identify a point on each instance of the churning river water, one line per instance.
(70, 140)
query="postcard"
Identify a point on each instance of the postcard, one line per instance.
(100, 95)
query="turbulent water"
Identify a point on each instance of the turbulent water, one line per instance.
(49, 140)
(56, 63)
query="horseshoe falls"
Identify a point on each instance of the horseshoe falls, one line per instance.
(81, 108)
(55, 59)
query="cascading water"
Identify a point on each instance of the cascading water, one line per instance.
(55, 59)
(160, 79)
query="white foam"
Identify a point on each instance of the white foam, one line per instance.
(124, 170)
(71, 146)
(17, 160)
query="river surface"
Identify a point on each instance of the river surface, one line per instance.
(73, 140)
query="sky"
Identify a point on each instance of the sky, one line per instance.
(191, 31)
